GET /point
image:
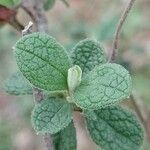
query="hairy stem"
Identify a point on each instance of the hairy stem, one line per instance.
(48, 142)
(134, 100)
(118, 30)
(16, 24)
(42, 26)
(138, 108)
(40, 19)
(112, 58)
(28, 11)
(27, 6)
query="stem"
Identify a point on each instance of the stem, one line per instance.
(118, 30)
(133, 96)
(16, 24)
(28, 11)
(48, 142)
(40, 19)
(27, 6)
(135, 99)
(41, 24)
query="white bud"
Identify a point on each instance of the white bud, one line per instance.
(74, 77)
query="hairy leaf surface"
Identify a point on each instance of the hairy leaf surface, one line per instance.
(116, 129)
(105, 85)
(43, 61)
(90, 114)
(51, 115)
(88, 54)
(66, 139)
(17, 85)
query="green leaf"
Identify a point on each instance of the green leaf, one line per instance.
(88, 54)
(105, 85)
(9, 3)
(49, 4)
(17, 85)
(116, 129)
(51, 115)
(43, 61)
(66, 139)
(90, 114)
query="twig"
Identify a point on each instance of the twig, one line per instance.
(118, 30)
(38, 94)
(41, 24)
(40, 19)
(133, 96)
(28, 11)
(48, 142)
(135, 99)
(16, 24)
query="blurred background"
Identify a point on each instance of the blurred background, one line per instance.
(82, 19)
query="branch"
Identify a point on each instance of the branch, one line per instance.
(27, 6)
(118, 30)
(135, 101)
(41, 24)
(28, 11)
(16, 24)
(38, 94)
(40, 19)
(133, 96)
(48, 141)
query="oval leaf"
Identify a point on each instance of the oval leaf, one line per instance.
(43, 61)
(17, 85)
(66, 139)
(103, 86)
(116, 129)
(51, 115)
(88, 54)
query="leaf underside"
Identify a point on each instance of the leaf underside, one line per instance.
(51, 115)
(88, 54)
(105, 85)
(17, 85)
(43, 61)
(65, 139)
(116, 129)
